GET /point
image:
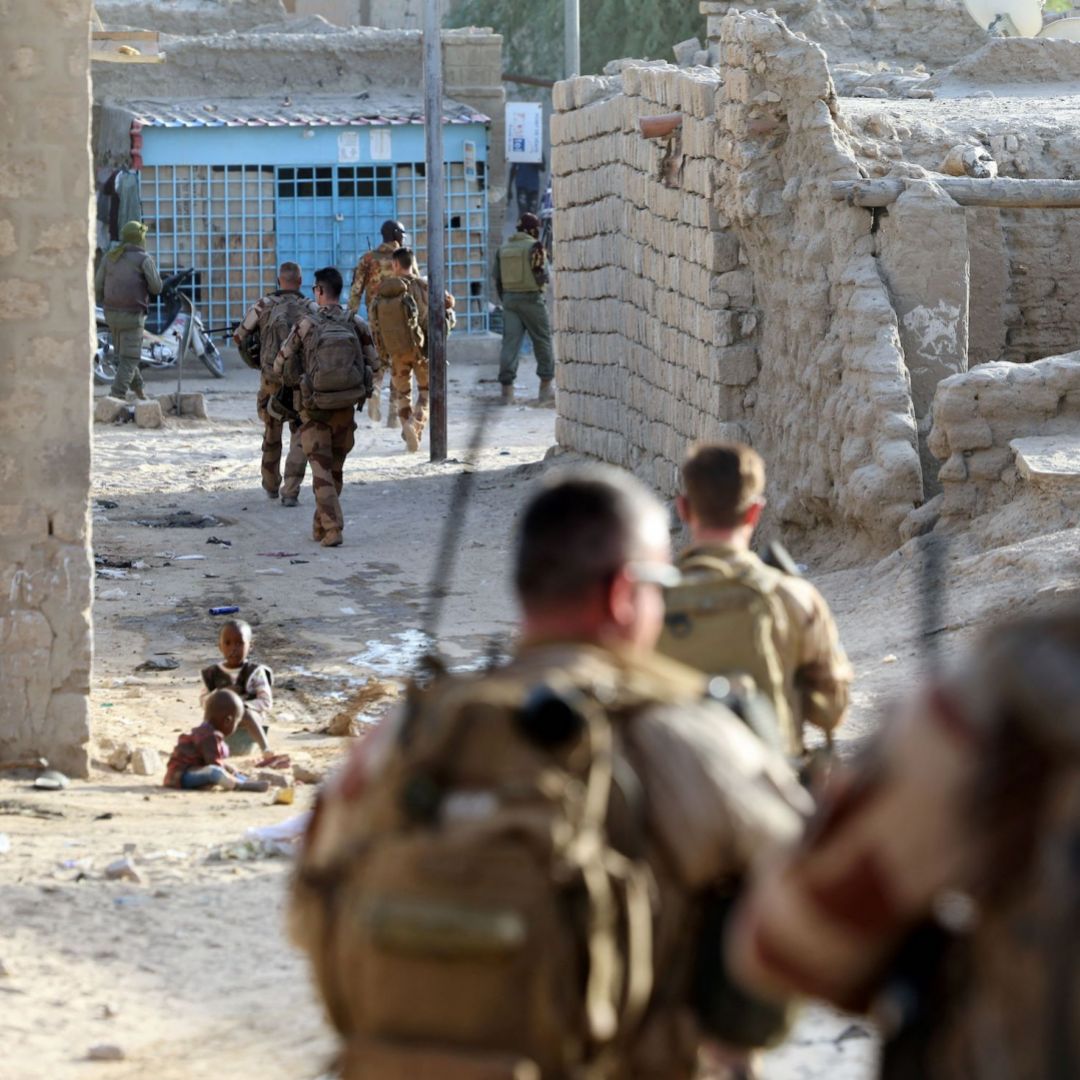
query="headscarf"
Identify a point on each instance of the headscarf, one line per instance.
(133, 234)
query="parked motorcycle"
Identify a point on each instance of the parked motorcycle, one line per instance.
(163, 339)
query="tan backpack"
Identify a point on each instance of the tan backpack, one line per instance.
(473, 919)
(396, 318)
(335, 375)
(720, 621)
(276, 322)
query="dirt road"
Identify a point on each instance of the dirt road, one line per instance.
(188, 971)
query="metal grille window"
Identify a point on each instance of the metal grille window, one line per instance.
(236, 223)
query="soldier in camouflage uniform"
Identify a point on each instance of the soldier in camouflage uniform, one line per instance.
(124, 282)
(372, 269)
(257, 322)
(326, 434)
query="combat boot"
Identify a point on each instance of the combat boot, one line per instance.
(507, 394)
(317, 533)
(374, 407)
(290, 500)
(332, 538)
(547, 392)
(140, 394)
(411, 437)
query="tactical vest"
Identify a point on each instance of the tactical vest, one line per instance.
(335, 375)
(276, 322)
(515, 265)
(125, 282)
(720, 620)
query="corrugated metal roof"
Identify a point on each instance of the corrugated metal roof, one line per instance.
(360, 110)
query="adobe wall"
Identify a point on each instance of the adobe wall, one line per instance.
(744, 301)
(45, 346)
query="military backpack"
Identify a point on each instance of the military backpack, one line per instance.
(474, 918)
(336, 370)
(515, 265)
(721, 621)
(276, 322)
(395, 318)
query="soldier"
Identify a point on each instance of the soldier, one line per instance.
(125, 280)
(372, 268)
(266, 326)
(399, 319)
(521, 275)
(329, 357)
(520, 876)
(941, 887)
(733, 614)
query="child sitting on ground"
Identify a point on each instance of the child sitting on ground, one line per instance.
(198, 761)
(251, 680)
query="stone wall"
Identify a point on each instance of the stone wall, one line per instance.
(980, 414)
(741, 301)
(45, 346)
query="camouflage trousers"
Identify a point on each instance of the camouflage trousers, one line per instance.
(327, 442)
(378, 381)
(273, 431)
(126, 330)
(402, 368)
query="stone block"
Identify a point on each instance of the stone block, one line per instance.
(736, 366)
(193, 405)
(970, 435)
(148, 414)
(146, 762)
(1051, 462)
(686, 52)
(108, 409)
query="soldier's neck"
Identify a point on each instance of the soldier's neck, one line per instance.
(738, 538)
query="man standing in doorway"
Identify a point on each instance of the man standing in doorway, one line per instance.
(525, 176)
(268, 324)
(521, 275)
(124, 282)
(329, 357)
(372, 269)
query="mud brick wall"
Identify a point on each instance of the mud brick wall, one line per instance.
(45, 347)
(744, 302)
(978, 413)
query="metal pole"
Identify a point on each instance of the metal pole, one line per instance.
(436, 225)
(573, 38)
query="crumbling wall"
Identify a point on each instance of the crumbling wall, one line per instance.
(190, 16)
(742, 302)
(980, 414)
(45, 346)
(908, 32)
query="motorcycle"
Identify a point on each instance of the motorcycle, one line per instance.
(162, 339)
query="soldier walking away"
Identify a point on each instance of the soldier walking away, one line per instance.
(372, 269)
(259, 339)
(940, 888)
(125, 280)
(329, 357)
(399, 319)
(522, 875)
(733, 615)
(521, 275)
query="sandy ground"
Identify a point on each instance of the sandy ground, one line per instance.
(188, 971)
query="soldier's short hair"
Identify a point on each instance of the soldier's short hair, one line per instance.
(721, 481)
(329, 277)
(289, 271)
(405, 258)
(582, 527)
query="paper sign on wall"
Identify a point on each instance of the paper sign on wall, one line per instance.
(348, 147)
(524, 131)
(381, 149)
(470, 160)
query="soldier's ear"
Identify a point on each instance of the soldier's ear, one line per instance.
(682, 508)
(753, 515)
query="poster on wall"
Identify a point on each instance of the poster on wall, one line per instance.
(381, 145)
(524, 131)
(348, 147)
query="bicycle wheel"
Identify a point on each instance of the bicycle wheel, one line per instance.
(214, 361)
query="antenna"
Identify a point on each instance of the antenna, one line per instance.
(1007, 18)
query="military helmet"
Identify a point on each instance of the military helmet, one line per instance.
(393, 230)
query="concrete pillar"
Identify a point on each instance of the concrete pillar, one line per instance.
(45, 344)
(924, 257)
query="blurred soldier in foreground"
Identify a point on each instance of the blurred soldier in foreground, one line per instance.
(329, 358)
(373, 268)
(125, 280)
(940, 889)
(259, 339)
(733, 615)
(521, 877)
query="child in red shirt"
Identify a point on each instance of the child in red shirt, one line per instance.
(199, 758)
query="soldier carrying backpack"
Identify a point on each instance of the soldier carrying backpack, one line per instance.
(329, 358)
(519, 877)
(735, 617)
(259, 339)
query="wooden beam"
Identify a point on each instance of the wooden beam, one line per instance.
(527, 80)
(126, 47)
(660, 127)
(1003, 192)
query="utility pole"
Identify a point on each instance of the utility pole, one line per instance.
(572, 61)
(436, 225)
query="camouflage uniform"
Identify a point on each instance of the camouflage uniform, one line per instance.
(817, 675)
(327, 436)
(273, 429)
(372, 269)
(123, 286)
(525, 311)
